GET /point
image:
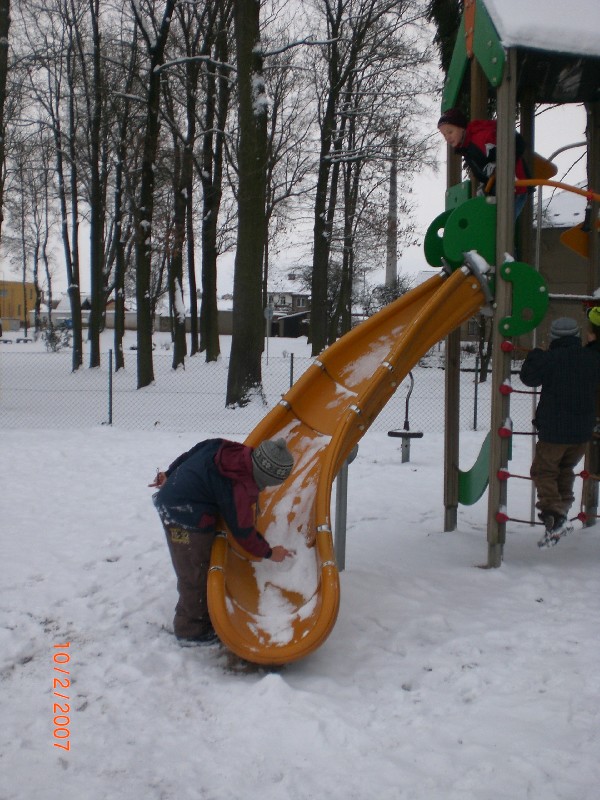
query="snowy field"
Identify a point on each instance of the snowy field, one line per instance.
(440, 680)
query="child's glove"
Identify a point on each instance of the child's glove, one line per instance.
(161, 478)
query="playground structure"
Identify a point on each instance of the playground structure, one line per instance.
(517, 56)
(269, 615)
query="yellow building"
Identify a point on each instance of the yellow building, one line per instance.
(16, 300)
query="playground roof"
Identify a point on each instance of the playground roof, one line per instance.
(557, 43)
(554, 25)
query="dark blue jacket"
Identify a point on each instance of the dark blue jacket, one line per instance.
(569, 375)
(214, 478)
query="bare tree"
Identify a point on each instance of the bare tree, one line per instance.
(374, 63)
(154, 31)
(4, 29)
(48, 71)
(244, 376)
(217, 82)
(123, 185)
(97, 169)
(30, 213)
(289, 158)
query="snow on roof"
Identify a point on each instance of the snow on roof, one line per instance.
(562, 209)
(572, 27)
(287, 280)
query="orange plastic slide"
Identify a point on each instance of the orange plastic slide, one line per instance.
(271, 613)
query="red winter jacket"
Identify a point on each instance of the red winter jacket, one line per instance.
(478, 148)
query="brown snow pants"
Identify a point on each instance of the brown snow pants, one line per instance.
(553, 476)
(190, 554)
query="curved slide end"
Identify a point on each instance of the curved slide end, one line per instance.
(274, 625)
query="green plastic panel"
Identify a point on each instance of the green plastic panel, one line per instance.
(529, 298)
(457, 69)
(487, 47)
(472, 483)
(471, 226)
(458, 194)
(433, 245)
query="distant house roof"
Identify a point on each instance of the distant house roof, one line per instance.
(287, 281)
(561, 209)
(64, 304)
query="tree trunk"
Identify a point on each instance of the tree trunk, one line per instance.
(4, 27)
(119, 216)
(218, 95)
(322, 241)
(391, 260)
(72, 241)
(175, 269)
(244, 375)
(96, 196)
(191, 262)
(143, 239)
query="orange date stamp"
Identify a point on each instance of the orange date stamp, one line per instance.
(61, 683)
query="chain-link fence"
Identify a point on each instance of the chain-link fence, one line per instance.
(40, 390)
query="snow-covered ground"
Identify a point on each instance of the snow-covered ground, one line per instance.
(440, 680)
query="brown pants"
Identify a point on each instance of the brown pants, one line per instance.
(553, 476)
(190, 554)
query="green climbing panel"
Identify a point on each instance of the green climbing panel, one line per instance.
(487, 50)
(458, 67)
(458, 194)
(471, 226)
(487, 47)
(529, 298)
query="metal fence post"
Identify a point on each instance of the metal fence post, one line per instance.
(110, 387)
(341, 509)
(291, 370)
(475, 393)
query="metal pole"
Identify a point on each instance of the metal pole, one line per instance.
(291, 370)
(267, 325)
(110, 387)
(341, 509)
(476, 393)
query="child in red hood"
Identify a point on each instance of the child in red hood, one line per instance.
(215, 478)
(475, 141)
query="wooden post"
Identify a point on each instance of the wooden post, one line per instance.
(479, 89)
(505, 187)
(451, 394)
(526, 235)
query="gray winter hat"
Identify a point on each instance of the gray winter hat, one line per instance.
(272, 462)
(563, 326)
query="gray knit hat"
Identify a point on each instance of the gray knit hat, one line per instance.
(272, 462)
(563, 326)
